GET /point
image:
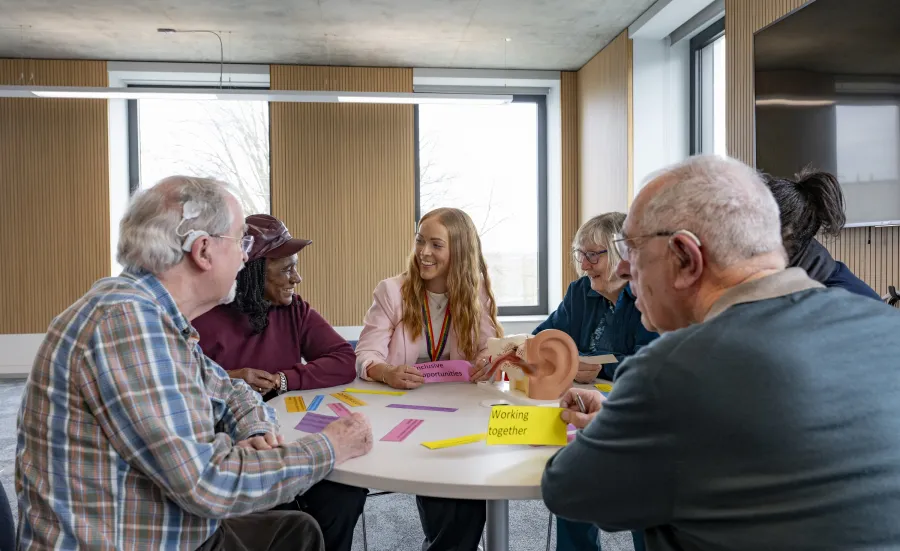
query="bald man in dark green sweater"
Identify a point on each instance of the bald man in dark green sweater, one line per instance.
(767, 416)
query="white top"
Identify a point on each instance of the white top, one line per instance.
(471, 471)
(437, 305)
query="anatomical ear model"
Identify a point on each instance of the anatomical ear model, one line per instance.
(542, 366)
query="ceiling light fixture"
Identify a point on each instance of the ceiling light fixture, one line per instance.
(424, 98)
(289, 96)
(786, 102)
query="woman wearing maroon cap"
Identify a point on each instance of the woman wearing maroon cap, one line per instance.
(272, 339)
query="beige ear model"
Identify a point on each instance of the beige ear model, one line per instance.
(554, 358)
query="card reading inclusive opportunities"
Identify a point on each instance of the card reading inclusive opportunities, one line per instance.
(526, 425)
(449, 371)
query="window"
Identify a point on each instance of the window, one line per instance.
(708, 90)
(868, 142)
(491, 161)
(227, 140)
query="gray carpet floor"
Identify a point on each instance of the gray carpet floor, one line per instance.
(392, 521)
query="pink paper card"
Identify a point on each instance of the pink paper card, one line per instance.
(340, 409)
(402, 430)
(449, 371)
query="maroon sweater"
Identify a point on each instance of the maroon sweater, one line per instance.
(293, 332)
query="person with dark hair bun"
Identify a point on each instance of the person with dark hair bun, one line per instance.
(810, 203)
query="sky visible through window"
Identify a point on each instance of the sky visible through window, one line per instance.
(483, 159)
(227, 140)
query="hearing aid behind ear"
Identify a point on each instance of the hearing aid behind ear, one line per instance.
(690, 235)
(189, 239)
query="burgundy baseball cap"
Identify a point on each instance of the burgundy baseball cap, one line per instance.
(271, 238)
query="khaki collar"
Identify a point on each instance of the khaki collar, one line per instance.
(785, 282)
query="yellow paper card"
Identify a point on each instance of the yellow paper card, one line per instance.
(295, 404)
(535, 425)
(604, 387)
(367, 391)
(352, 401)
(458, 441)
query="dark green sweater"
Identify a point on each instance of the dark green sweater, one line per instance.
(772, 426)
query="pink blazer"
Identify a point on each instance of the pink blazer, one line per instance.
(385, 340)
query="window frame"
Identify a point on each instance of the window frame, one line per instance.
(541, 308)
(703, 39)
(134, 133)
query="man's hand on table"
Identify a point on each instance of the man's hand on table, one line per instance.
(587, 372)
(261, 442)
(592, 400)
(350, 437)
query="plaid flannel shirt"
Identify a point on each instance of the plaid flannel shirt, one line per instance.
(127, 433)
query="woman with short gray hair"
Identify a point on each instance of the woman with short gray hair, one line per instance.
(599, 313)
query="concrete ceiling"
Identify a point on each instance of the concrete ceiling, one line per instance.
(545, 34)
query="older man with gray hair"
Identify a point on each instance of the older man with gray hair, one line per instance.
(129, 437)
(767, 415)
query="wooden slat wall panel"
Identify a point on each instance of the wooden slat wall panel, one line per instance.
(569, 113)
(877, 260)
(630, 122)
(604, 136)
(742, 19)
(344, 176)
(54, 193)
(873, 254)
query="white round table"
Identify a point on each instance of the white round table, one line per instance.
(496, 474)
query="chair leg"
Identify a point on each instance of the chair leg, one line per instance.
(365, 542)
(549, 530)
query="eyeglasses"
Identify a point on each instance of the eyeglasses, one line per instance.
(246, 242)
(624, 249)
(592, 257)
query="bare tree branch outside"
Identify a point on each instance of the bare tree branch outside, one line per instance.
(228, 140)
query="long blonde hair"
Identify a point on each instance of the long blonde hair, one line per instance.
(467, 275)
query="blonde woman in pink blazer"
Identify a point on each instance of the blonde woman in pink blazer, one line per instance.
(441, 308)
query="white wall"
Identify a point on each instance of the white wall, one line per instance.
(118, 174)
(661, 96)
(17, 353)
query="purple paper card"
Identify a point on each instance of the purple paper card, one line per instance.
(425, 408)
(313, 422)
(450, 371)
(402, 430)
